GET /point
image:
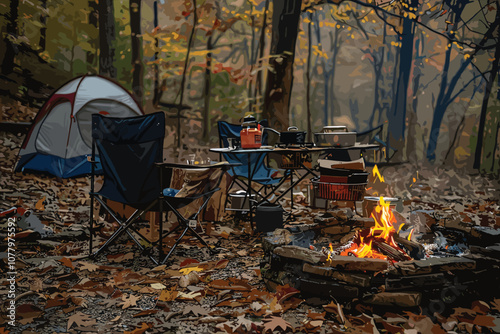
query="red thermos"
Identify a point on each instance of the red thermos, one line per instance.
(251, 135)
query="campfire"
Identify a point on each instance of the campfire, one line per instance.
(380, 259)
(378, 241)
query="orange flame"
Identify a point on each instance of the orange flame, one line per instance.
(383, 231)
(411, 233)
(330, 253)
(376, 173)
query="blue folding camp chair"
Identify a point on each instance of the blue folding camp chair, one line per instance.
(263, 175)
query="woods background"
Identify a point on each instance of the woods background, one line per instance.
(424, 71)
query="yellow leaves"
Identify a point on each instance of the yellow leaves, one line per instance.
(411, 16)
(397, 44)
(185, 271)
(318, 52)
(175, 35)
(466, 56)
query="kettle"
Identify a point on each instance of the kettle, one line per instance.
(250, 134)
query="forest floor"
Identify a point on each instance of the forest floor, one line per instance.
(60, 290)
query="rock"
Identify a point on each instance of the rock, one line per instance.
(48, 244)
(422, 220)
(352, 263)
(339, 229)
(485, 235)
(407, 299)
(427, 266)
(189, 279)
(326, 289)
(411, 282)
(354, 279)
(300, 253)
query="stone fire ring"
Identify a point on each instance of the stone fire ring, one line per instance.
(374, 281)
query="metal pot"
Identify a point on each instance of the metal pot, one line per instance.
(292, 136)
(335, 136)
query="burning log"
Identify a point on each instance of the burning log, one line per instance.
(392, 253)
(414, 249)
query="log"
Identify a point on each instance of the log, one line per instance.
(327, 289)
(483, 261)
(433, 265)
(389, 251)
(339, 229)
(489, 251)
(414, 249)
(352, 263)
(485, 235)
(400, 299)
(354, 279)
(411, 282)
(300, 253)
(365, 222)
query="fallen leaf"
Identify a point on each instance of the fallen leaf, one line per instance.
(168, 295)
(116, 258)
(187, 262)
(145, 313)
(144, 327)
(315, 316)
(221, 264)
(285, 291)
(275, 307)
(158, 286)
(197, 310)
(129, 301)
(273, 323)
(80, 320)
(243, 323)
(88, 266)
(67, 262)
(185, 271)
(28, 311)
(39, 205)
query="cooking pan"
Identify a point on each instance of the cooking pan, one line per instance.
(292, 136)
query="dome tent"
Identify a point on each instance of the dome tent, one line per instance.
(60, 138)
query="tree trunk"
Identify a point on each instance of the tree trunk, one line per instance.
(397, 115)
(156, 79)
(262, 45)
(10, 47)
(106, 38)
(43, 29)
(445, 96)
(286, 16)
(308, 79)
(137, 68)
(207, 95)
(334, 107)
(484, 107)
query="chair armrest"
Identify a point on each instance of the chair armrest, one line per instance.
(224, 165)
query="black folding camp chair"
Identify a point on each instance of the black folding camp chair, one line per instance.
(129, 149)
(130, 152)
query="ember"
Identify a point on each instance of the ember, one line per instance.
(378, 241)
